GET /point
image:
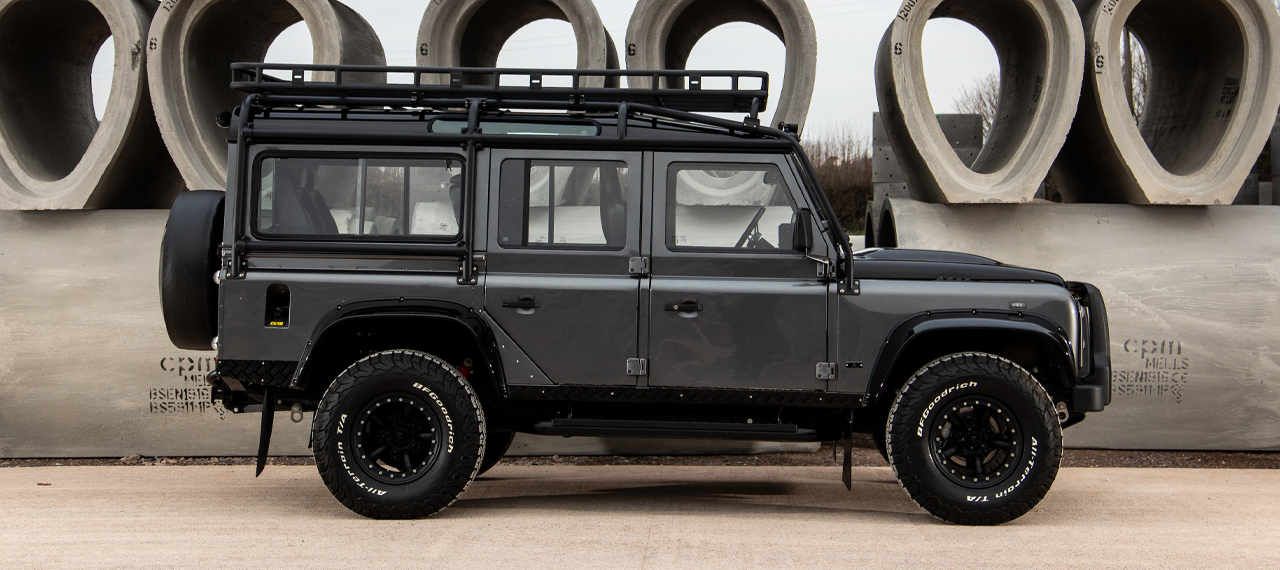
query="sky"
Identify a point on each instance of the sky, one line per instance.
(849, 32)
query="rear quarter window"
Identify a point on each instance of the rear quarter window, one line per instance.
(359, 198)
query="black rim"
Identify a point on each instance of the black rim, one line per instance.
(976, 442)
(398, 438)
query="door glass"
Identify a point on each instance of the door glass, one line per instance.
(565, 204)
(359, 197)
(728, 207)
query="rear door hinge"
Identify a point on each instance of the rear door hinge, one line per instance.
(233, 263)
(638, 266)
(467, 277)
(826, 371)
(637, 367)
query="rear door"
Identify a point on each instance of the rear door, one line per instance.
(733, 305)
(565, 227)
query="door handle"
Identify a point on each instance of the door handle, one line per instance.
(685, 307)
(524, 303)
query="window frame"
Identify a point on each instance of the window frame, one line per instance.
(674, 167)
(524, 210)
(255, 197)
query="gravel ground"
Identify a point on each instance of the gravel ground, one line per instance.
(864, 455)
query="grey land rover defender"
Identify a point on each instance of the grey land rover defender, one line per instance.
(435, 265)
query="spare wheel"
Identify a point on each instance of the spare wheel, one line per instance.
(188, 260)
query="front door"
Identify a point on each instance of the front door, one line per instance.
(733, 305)
(564, 228)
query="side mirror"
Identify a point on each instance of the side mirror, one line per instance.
(802, 232)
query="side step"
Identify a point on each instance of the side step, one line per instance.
(644, 428)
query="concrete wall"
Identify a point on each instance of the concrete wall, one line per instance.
(86, 368)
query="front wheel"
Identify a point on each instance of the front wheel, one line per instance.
(398, 435)
(974, 439)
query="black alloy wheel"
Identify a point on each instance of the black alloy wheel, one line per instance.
(975, 442)
(398, 438)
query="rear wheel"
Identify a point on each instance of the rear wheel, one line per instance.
(399, 434)
(974, 439)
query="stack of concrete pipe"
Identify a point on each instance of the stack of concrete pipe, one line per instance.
(171, 79)
(86, 368)
(1064, 112)
(1190, 281)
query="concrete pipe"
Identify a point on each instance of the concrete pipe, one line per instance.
(1211, 102)
(193, 44)
(1040, 45)
(662, 33)
(55, 152)
(1191, 300)
(471, 33)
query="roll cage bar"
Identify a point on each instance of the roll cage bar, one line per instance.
(489, 90)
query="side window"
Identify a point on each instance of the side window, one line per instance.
(573, 204)
(728, 207)
(389, 198)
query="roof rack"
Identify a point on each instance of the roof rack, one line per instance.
(357, 86)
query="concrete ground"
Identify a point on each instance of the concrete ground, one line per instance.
(628, 517)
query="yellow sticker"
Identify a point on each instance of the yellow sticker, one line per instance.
(277, 324)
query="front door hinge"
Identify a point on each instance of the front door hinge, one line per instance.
(637, 367)
(824, 269)
(638, 266)
(826, 371)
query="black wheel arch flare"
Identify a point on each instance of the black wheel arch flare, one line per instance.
(886, 375)
(405, 308)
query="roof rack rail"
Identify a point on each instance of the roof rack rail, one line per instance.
(349, 85)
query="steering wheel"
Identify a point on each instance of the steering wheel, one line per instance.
(751, 228)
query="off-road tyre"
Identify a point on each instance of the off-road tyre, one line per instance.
(495, 449)
(188, 259)
(940, 411)
(396, 399)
